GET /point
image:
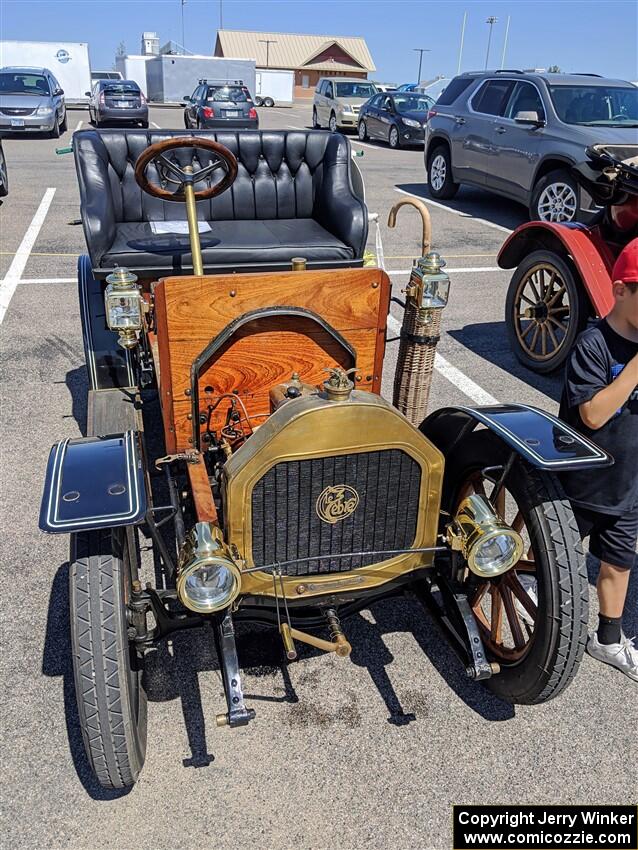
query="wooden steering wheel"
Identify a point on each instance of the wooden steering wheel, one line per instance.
(171, 172)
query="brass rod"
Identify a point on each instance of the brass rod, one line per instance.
(289, 644)
(193, 227)
(318, 643)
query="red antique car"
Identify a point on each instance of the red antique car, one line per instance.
(562, 272)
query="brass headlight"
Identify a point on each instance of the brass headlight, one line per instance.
(208, 579)
(124, 306)
(489, 545)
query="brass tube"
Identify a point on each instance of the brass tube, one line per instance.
(193, 228)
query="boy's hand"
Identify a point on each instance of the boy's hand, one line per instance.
(598, 410)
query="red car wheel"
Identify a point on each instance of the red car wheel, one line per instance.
(546, 308)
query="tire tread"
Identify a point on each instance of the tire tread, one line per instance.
(100, 649)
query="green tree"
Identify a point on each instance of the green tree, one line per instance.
(554, 69)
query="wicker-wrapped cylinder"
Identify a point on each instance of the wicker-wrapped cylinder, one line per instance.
(420, 333)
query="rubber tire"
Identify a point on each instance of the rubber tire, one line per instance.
(64, 126)
(397, 145)
(449, 188)
(268, 102)
(579, 302)
(315, 121)
(258, 101)
(4, 185)
(559, 641)
(362, 136)
(55, 132)
(558, 176)
(332, 123)
(114, 733)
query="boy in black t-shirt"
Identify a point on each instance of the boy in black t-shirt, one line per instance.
(600, 399)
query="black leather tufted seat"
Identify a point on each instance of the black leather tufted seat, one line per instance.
(292, 197)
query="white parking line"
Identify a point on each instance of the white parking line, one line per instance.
(47, 280)
(155, 125)
(12, 277)
(476, 270)
(432, 203)
(366, 145)
(78, 125)
(467, 386)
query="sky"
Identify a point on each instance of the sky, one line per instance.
(577, 35)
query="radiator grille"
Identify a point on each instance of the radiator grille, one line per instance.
(286, 526)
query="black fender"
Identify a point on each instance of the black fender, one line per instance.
(94, 482)
(108, 365)
(540, 438)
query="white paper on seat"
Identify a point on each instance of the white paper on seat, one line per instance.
(164, 227)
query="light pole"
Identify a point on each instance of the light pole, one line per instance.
(491, 21)
(420, 51)
(507, 32)
(183, 45)
(267, 42)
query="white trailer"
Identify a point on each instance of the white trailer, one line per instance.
(67, 61)
(274, 87)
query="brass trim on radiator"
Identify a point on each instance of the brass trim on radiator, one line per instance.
(315, 427)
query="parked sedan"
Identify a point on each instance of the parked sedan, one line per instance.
(31, 99)
(118, 102)
(397, 118)
(220, 105)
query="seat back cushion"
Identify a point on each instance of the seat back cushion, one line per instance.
(279, 173)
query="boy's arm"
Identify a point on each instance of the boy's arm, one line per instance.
(599, 409)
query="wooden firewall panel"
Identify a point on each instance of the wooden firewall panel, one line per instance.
(192, 311)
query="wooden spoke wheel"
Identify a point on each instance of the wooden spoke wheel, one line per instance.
(505, 607)
(533, 618)
(546, 309)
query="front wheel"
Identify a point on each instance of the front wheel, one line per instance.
(55, 132)
(440, 183)
(545, 310)
(63, 123)
(363, 131)
(315, 120)
(555, 198)
(393, 139)
(107, 670)
(332, 123)
(533, 618)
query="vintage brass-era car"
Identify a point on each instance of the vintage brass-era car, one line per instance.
(562, 272)
(234, 347)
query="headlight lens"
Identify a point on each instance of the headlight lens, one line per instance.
(208, 578)
(494, 555)
(410, 122)
(489, 545)
(346, 108)
(43, 110)
(209, 587)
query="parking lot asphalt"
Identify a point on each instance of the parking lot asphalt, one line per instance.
(367, 752)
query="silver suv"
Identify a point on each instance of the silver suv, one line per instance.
(518, 134)
(31, 99)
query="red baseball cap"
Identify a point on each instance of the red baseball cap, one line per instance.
(626, 266)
